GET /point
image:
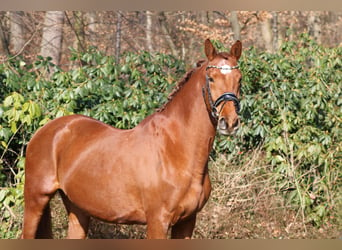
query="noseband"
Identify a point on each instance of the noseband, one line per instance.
(225, 97)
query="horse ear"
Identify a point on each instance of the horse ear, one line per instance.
(210, 50)
(236, 49)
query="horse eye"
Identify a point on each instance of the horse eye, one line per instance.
(211, 79)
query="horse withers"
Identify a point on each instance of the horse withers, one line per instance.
(154, 174)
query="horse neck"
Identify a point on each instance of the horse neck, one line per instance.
(188, 112)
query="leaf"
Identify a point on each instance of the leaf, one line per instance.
(3, 193)
(279, 158)
(4, 144)
(125, 69)
(34, 110)
(314, 149)
(25, 106)
(320, 210)
(14, 127)
(44, 121)
(8, 101)
(293, 197)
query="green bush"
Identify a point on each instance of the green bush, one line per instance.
(291, 111)
(291, 108)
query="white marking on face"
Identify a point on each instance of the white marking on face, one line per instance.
(226, 69)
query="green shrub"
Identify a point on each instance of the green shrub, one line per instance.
(291, 107)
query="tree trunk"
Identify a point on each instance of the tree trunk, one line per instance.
(3, 38)
(183, 49)
(166, 33)
(149, 31)
(92, 26)
(17, 31)
(266, 31)
(275, 30)
(314, 26)
(51, 44)
(118, 36)
(235, 25)
(292, 26)
(79, 30)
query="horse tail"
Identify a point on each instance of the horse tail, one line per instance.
(44, 230)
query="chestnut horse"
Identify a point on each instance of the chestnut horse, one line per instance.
(154, 174)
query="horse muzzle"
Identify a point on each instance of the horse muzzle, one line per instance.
(229, 127)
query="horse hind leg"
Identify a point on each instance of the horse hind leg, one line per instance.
(40, 187)
(78, 220)
(37, 217)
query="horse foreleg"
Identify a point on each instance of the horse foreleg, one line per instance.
(157, 227)
(78, 220)
(78, 225)
(183, 229)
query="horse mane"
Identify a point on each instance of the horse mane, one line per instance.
(179, 85)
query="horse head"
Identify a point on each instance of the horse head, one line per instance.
(222, 90)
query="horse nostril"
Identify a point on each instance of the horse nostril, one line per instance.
(223, 124)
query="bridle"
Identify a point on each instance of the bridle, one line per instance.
(225, 97)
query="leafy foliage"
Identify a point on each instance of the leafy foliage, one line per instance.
(291, 107)
(291, 111)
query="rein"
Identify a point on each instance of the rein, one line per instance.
(225, 97)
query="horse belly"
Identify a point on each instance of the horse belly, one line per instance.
(106, 190)
(106, 201)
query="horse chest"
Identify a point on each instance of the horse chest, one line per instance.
(193, 200)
